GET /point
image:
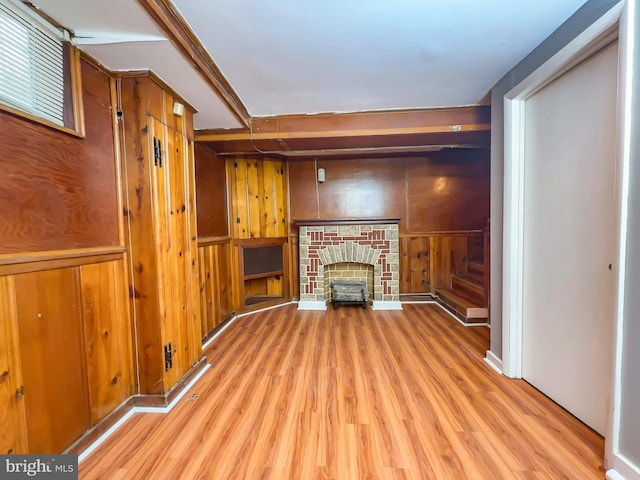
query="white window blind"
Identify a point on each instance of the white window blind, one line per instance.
(31, 65)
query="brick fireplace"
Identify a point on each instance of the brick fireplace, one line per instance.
(364, 242)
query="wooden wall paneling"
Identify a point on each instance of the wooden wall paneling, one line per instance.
(363, 188)
(239, 186)
(58, 190)
(419, 248)
(237, 269)
(191, 243)
(275, 199)
(405, 265)
(174, 324)
(13, 434)
(448, 257)
(448, 191)
(211, 193)
(275, 286)
(52, 355)
(255, 197)
(294, 269)
(475, 247)
(223, 255)
(208, 274)
(107, 337)
(303, 190)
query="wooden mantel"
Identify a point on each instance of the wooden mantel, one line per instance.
(315, 222)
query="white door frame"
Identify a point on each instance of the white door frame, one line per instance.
(513, 201)
(514, 159)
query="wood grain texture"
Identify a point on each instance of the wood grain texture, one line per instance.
(58, 191)
(48, 306)
(353, 394)
(216, 301)
(448, 190)
(335, 134)
(448, 256)
(163, 232)
(13, 435)
(211, 193)
(259, 200)
(107, 337)
(362, 188)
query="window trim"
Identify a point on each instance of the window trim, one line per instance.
(73, 106)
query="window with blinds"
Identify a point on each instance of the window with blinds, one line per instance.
(32, 73)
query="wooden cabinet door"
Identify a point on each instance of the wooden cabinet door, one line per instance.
(177, 243)
(51, 339)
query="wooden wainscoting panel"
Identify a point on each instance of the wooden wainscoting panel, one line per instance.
(216, 302)
(419, 248)
(225, 282)
(294, 265)
(448, 257)
(51, 346)
(13, 434)
(107, 336)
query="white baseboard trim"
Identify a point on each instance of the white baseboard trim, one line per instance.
(246, 314)
(386, 305)
(493, 361)
(312, 305)
(206, 344)
(623, 469)
(101, 439)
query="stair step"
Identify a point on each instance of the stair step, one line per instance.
(462, 304)
(475, 268)
(468, 286)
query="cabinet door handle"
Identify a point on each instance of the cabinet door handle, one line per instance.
(20, 393)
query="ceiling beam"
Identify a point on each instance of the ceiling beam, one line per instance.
(173, 24)
(412, 130)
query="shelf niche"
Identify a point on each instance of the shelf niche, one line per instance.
(263, 273)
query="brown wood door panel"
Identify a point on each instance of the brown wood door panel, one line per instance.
(107, 332)
(51, 347)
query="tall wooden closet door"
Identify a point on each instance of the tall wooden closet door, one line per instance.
(161, 205)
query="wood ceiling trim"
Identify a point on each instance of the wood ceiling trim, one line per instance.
(167, 17)
(371, 132)
(467, 127)
(407, 118)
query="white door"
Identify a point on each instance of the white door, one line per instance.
(569, 237)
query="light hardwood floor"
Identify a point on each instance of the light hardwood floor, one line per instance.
(348, 395)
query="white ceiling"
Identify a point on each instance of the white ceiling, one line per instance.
(310, 56)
